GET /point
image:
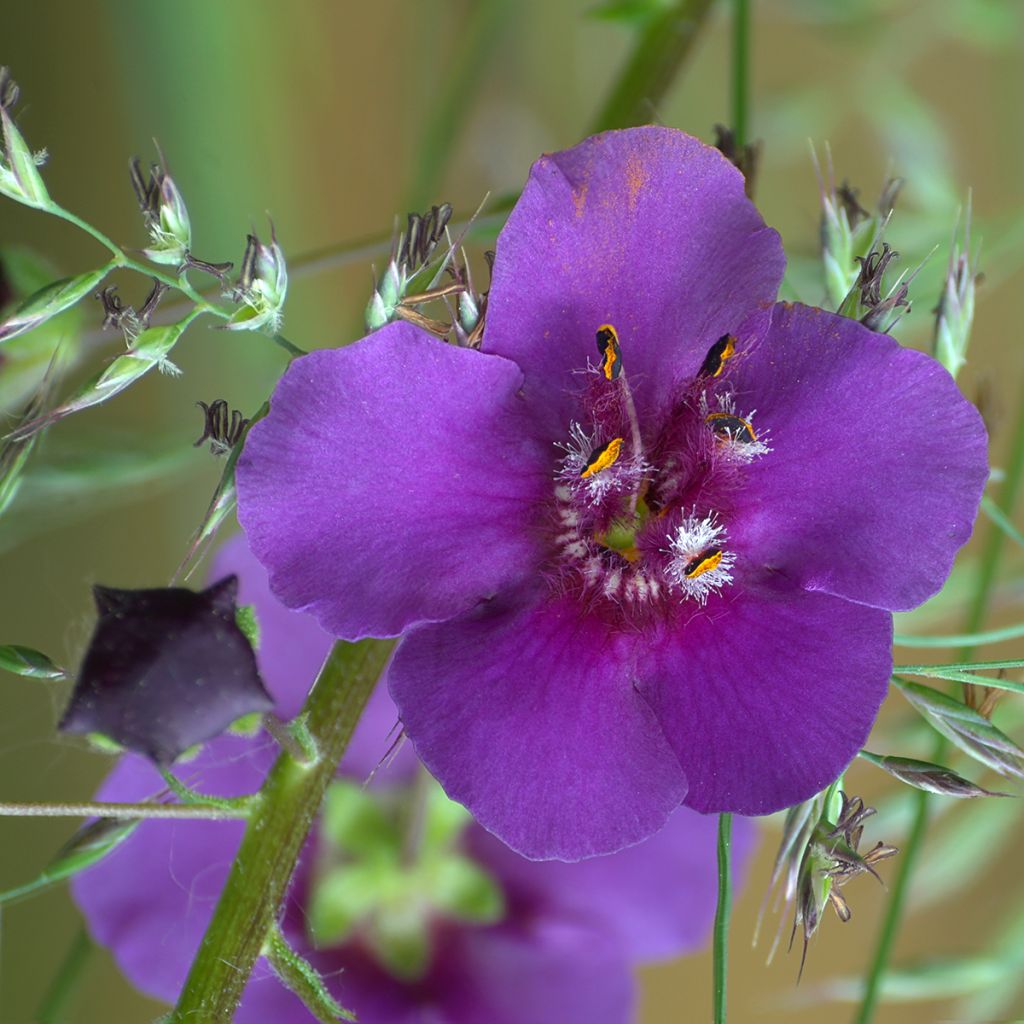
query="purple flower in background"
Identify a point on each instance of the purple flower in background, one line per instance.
(457, 929)
(654, 569)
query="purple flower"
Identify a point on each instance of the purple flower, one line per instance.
(618, 588)
(556, 947)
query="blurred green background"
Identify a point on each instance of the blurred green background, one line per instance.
(320, 113)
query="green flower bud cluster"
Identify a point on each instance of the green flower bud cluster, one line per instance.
(390, 867)
(262, 287)
(955, 314)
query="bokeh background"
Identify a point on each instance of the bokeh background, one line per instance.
(323, 114)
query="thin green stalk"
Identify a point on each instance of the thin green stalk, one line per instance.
(53, 1009)
(122, 259)
(722, 913)
(897, 900)
(278, 825)
(740, 72)
(987, 571)
(449, 111)
(660, 54)
(71, 218)
(94, 809)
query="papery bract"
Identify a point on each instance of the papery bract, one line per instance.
(618, 588)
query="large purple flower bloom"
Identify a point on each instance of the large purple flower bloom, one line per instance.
(560, 952)
(618, 588)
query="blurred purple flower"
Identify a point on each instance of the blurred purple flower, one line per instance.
(561, 953)
(617, 588)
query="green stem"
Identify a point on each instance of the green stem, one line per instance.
(71, 218)
(897, 899)
(54, 1006)
(740, 72)
(448, 111)
(104, 810)
(977, 611)
(722, 913)
(659, 55)
(122, 259)
(278, 825)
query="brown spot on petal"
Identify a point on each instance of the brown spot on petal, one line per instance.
(636, 179)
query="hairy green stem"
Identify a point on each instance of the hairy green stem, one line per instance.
(93, 809)
(53, 1009)
(740, 72)
(988, 568)
(722, 913)
(279, 822)
(660, 54)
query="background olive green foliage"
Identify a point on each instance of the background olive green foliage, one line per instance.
(323, 114)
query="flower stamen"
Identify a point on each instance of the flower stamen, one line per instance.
(719, 353)
(699, 565)
(602, 458)
(609, 351)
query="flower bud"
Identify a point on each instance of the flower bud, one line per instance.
(262, 287)
(849, 232)
(165, 669)
(164, 212)
(955, 313)
(371, 881)
(50, 300)
(413, 252)
(932, 778)
(19, 166)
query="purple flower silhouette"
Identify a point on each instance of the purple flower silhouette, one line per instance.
(560, 954)
(651, 570)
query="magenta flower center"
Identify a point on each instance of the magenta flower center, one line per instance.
(641, 511)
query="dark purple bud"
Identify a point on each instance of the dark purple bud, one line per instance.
(744, 158)
(165, 669)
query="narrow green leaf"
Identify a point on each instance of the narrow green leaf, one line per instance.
(934, 979)
(932, 778)
(970, 731)
(969, 677)
(51, 300)
(1000, 518)
(992, 636)
(87, 846)
(24, 661)
(150, 349)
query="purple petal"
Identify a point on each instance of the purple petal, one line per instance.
(292, 646)
(391, 481)
(525, 710)
(292, 649)
(542, 971)
(877, 463)
(658, 896)
(647, 229)
(768, 700)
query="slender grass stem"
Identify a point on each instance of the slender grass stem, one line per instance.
(104, 810)
(484, 28)
(54, 1007)
(987, 571)
(661, 52)
(722, 914)
(740, 73)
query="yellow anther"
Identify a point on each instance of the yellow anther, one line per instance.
(603, 457)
